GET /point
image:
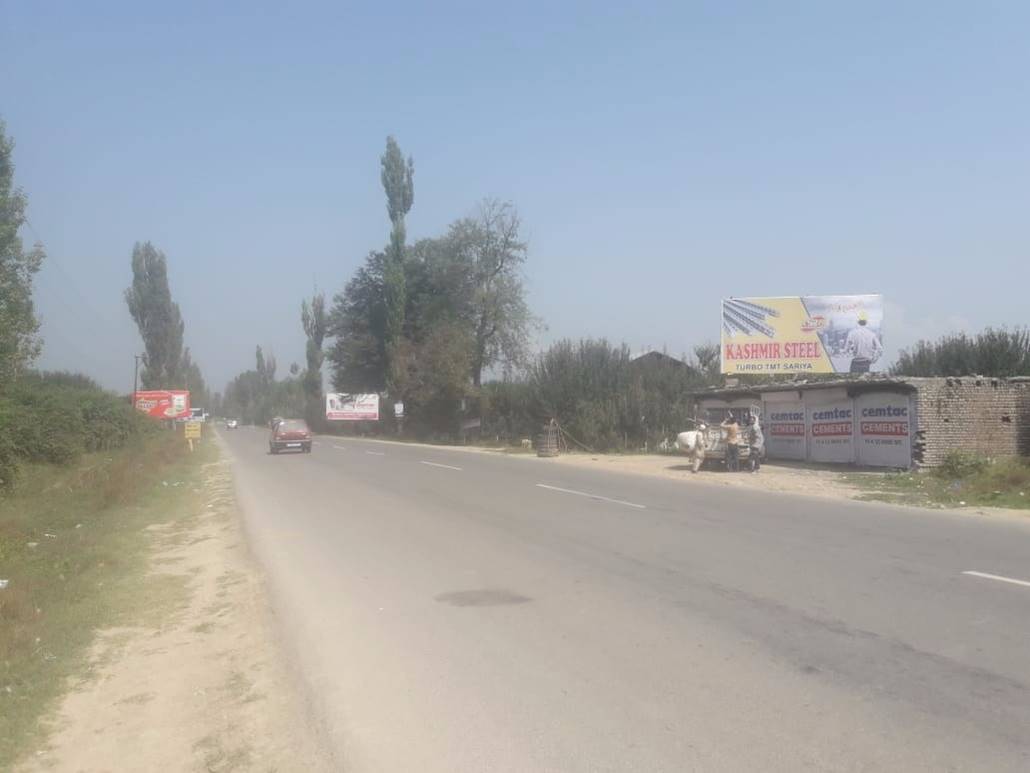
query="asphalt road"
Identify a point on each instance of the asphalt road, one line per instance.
(454, 611)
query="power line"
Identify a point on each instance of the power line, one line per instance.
(71, 285)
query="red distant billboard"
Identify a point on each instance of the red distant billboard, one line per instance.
(163, 403)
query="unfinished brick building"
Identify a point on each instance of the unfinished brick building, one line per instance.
(884, 422)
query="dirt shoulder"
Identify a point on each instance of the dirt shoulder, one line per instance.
(193, 680)
(909, 489)
(771, 477)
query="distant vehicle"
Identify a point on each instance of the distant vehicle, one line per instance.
(198, 414)
(232, 423)
(290, 434)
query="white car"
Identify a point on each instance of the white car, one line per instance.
(232, 423)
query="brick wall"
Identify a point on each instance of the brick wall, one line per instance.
(989, 416)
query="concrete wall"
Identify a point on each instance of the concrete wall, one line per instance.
(985, 415)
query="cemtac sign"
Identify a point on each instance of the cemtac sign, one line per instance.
(831, 430)
(884, 430)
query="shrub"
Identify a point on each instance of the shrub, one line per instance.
(44, 424)
(962, 464)
(54, 420)
(600, 395)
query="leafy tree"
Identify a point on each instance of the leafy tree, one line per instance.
(500, 314)
(313, 318)
(357, 324)
(398, 183)
(708, 361)
(992, 352)
(255, 396)
(19, 327)
(470, 280)
(265, 367)
(436, 371)
(157, 317)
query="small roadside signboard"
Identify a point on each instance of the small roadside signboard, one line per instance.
(192, 432)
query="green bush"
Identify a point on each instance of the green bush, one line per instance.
(962, 464)
(602, 397)
(8, 460)
(44, 424)
(54, 420)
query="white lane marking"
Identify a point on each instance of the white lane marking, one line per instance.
(340, 448)
(376, 453)
(999, 578)
(591, 496)
(445, 466)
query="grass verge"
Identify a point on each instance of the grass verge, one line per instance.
(74, 552)
(997, 483)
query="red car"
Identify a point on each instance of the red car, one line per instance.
(290, 434)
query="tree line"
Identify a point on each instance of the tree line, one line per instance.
(993, 352)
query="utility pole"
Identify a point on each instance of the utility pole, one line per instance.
(135, 379)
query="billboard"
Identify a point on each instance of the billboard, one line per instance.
(163, 403)
(802, 334)
(340, 406)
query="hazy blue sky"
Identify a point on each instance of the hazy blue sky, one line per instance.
(662, 156)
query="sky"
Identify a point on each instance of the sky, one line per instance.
(662, 156)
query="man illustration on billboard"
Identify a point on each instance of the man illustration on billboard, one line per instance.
(863, 345)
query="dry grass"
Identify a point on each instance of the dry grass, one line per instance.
(998, 483)
(73, 548)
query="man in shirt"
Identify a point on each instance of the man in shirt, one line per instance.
(732, 443)
(755, 442)
(863, 345)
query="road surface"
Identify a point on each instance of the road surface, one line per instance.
(455, 611)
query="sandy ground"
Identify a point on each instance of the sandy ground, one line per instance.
(205, 689)
(771, 477)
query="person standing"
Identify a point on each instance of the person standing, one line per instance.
(756, 443)
(732, 442)
(863, 345)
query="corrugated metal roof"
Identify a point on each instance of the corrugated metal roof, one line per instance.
(854, 385)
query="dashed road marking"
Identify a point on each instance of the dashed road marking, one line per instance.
(445, 466)
(591, 496)
(999, 578)
(340, 448)
(376, 453)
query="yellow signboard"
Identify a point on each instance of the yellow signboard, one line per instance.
(192, 430)
(802, 334)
